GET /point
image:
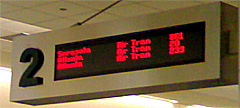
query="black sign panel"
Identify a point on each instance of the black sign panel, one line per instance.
(176, 45)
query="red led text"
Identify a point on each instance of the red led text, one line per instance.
(138, 49)
(121, 51)
(141, 42)
(174, 43)
(71, 59)
(74, 52)
(69, 66)
(140, 55)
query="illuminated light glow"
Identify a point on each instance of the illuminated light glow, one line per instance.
(176, 50)
(25, 33)
(140, 49)
(122, 44)
(69, 59)
(5, 69)
(65, 62)
(122, 51)
(70, 65)
(143, 101)
(176, 36)
(181, 49)
(5, 77)
(121, 58)
(140, 55)
(173, 101)
(198, 106)
(74, 52)
(140, 42)
(174, 43)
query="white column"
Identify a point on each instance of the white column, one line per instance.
(5, 59)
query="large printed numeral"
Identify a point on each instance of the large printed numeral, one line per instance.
(28, 78)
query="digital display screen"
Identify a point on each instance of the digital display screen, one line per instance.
(162, 47)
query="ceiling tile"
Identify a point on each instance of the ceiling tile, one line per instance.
(94, 4)
(81, 17)
(233, 2)
(6, 32)
(101, 4)
(6, 8)
(28, 16)
(57, 24)
(101, 17)
(104, 17)
(168, 5)
(131, 10)
(25, 3)
(3, 20)
(18, 27)
(54, 8)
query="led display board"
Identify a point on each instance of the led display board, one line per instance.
(154, 53)
(154, 48)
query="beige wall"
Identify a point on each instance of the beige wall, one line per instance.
(5, 59)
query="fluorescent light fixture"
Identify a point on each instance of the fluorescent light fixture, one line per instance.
(1, 39)
(198, 106)
(144, 101)
(25, 33)
(5, 69)
(5, 76)
(158, 98)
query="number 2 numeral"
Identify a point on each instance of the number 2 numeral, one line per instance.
(27, 78)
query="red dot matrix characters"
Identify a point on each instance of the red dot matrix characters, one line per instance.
(138, 49)
(71, 59)
(175, 43)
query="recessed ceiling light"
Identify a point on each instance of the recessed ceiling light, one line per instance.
(63, 9)
(26, 34)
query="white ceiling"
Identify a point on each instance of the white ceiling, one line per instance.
(31, 15)
(47, 13)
